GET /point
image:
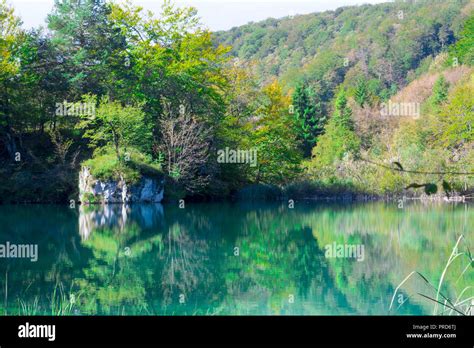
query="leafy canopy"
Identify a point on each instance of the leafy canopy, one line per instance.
(115, 124)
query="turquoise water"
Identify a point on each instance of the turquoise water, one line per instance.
(226, 259)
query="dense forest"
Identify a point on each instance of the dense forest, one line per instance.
(373, 99)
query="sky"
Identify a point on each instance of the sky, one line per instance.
(215, 14)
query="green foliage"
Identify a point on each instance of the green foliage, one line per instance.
(431, 189)
(440, 91)
(275, 140)
(170, 57)
(9, 36)
(105, 166)
(309, 117)
(89, 46)
(463, 50)
(457, 116)
(126, 62)
(339, 138)
(314, 46)
(115, 125)
(361, 93)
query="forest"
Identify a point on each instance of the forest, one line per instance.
(365, 100)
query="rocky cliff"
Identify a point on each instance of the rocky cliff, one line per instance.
(92, 190)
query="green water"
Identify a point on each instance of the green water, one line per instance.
(223, 258)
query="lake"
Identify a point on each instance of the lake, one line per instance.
(231, 258)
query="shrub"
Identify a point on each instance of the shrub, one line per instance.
(104, 165)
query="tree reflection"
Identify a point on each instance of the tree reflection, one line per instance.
(184, 263)
(222, 258)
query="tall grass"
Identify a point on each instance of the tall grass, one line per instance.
(59, 303)
(442, 303)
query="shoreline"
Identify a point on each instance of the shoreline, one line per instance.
(339, 198)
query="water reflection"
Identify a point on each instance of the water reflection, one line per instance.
(115, 216)
(227, 258)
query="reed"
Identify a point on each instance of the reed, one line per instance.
(443, 304)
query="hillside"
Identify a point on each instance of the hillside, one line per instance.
(385, 43)
(346, 65)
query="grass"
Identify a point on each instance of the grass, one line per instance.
(104, 165)
(60, 303)
(442, 304)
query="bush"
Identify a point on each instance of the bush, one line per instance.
(104, 165)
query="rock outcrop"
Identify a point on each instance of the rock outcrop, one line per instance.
(92, 190)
